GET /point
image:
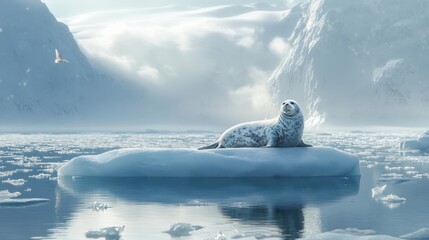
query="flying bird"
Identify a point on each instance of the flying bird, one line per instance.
(58, 58)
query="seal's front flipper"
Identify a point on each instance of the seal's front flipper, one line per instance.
(212, 146)
(302, 144)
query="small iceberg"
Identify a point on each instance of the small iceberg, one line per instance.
(392, 201)
(220, 236)
(111, 233)
(182, 229)
(420, 144)
(97, 206)
(378, 191)
(226, 162)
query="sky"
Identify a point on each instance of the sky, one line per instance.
(213, 64)
(199, 63)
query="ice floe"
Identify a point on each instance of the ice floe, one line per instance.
(392, 201)
(378, 191)
(15, 182)
(97, 206)
(4, 194)
(110, 233)
(243, 162)
(182, 229)
(41, 176)
(195, 203)
(255, 235)
(421, 143)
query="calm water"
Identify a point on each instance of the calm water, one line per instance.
(239, 208)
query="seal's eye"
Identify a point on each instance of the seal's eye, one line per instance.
(283, 103)
(292, 103)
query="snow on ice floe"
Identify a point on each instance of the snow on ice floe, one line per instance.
(421, 143)
(182, 229)
(41, 176)
(392, 201)
(5, 194)
(22, 202)
(243, 162)
(107, 233)
(15, 182)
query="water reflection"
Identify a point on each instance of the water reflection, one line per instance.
(282, 202)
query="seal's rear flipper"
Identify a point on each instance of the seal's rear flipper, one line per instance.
(302, 144)
(213, 146)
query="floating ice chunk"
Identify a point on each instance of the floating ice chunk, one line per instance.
(195, 203)
(40, 176)
(111, 233)
(387, 168)
(421, 143)
(4, 194)
(15, 182)
(355, 231)
(7, 173)
(377, 191)
(242, 162)
(256, 235)
(412, 172)
(392, 201)
(28, 190)
(422, 233)
(397, 178)
(182, 229)
(421, 175)
(395, 175)
(97, 206)
(21, 202)
(220, 236)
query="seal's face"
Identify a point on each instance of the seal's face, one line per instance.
(290, 108)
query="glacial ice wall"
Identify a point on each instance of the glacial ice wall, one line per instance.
(358, 62)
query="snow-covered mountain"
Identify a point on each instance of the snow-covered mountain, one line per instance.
(33, 89)
(358, 62)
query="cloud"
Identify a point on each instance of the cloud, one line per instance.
(210, 65)
(148, 72)
(279, 46)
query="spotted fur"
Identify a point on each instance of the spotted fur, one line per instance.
(283, 131)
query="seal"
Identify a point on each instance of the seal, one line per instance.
(283, 131)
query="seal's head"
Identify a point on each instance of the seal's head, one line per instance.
(290, 108)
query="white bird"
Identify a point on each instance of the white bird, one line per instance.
(58, 58)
